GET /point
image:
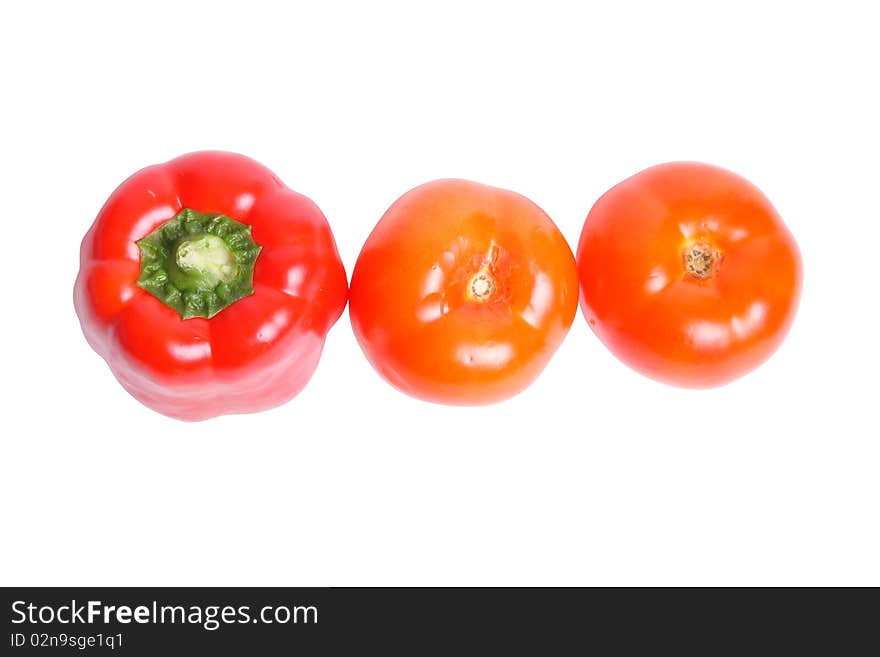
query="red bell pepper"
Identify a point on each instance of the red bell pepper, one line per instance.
(209, 287)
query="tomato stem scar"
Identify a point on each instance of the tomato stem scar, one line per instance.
(700, 260)
(481, 286)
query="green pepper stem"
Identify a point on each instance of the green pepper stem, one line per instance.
(198, 263)
(208, 257)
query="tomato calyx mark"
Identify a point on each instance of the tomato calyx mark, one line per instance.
(700, 260)
(481, 286)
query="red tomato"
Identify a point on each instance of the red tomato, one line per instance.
(688, 275)
(462, 293)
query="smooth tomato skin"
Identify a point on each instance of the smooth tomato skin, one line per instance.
(257, 353)
(412, 303)
(650, 312)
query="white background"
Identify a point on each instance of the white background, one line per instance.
(594, 475)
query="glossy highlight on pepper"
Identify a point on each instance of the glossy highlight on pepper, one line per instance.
(462, 293)
(208, 286)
